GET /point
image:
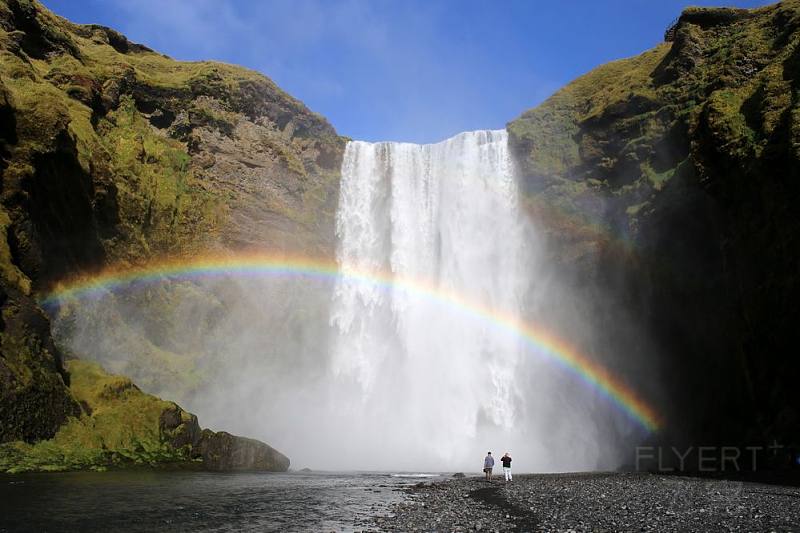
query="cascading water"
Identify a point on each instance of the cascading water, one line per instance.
(424, 378)
(389, 367)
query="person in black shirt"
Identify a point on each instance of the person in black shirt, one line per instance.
(506, 460)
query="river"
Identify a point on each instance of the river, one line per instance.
(196, 501)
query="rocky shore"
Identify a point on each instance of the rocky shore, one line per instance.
(595, 502)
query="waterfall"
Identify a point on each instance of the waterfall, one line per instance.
(406, 361)
(414, 371)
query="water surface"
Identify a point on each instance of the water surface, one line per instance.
(195, 501)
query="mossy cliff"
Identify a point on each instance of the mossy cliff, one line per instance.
(115, 152)
(120, 426)
(685, 162)
(111, 152)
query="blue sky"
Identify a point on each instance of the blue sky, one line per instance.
(404, 70)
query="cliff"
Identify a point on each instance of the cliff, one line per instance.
(120, 426)
(673, 177)
(111, 152)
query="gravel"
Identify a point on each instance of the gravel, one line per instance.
(595, 502)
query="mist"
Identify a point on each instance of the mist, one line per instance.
(352, 374)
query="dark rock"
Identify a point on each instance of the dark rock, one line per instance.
(596, 502)
(54, 226)
(695, 167)
(707, 17)
(222, 451)
(459, 475)
(34, 398)
(113, 38)
(179, 428)
(36, 39)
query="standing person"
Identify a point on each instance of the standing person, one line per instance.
(488, 464)
(506, 460)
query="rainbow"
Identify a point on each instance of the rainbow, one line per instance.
(256, 264)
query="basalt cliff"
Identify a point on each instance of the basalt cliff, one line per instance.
(672, 179)
(114, 153)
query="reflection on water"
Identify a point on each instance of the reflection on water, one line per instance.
(194, 501)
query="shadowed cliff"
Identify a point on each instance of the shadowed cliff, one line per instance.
(675, 176)
(666, 185)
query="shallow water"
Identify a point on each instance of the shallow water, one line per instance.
(195, 501)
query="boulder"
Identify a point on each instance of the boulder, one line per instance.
(222, 451)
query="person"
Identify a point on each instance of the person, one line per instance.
(488, 464)
(506, 460)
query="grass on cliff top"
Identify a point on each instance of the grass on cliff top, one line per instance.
(727, 82)
(120, 427)
(98, 57)
(739, 63)
(164, 208)
(550, 129)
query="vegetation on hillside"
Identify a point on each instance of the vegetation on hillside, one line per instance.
(111, 152)
(689, 154)
(119, 425)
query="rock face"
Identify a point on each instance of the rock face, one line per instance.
(115, 152)
(673, 176)
(226, 452)
(218, 450)
(110, 152)
(34, 401)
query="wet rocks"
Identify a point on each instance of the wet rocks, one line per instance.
(219, 451)
(446, 506)
(225, 452)
(596, 502)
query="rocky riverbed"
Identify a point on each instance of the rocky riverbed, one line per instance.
(595, 502)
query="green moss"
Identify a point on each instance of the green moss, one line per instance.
(204, 114)
(158, 194)
(722, 89)
(132, 119)
(10, 272)
(656, 179)
(155, 346)
(163, 208)
(548, 133)
(728, 125)
(633, 210)
(120, 427)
